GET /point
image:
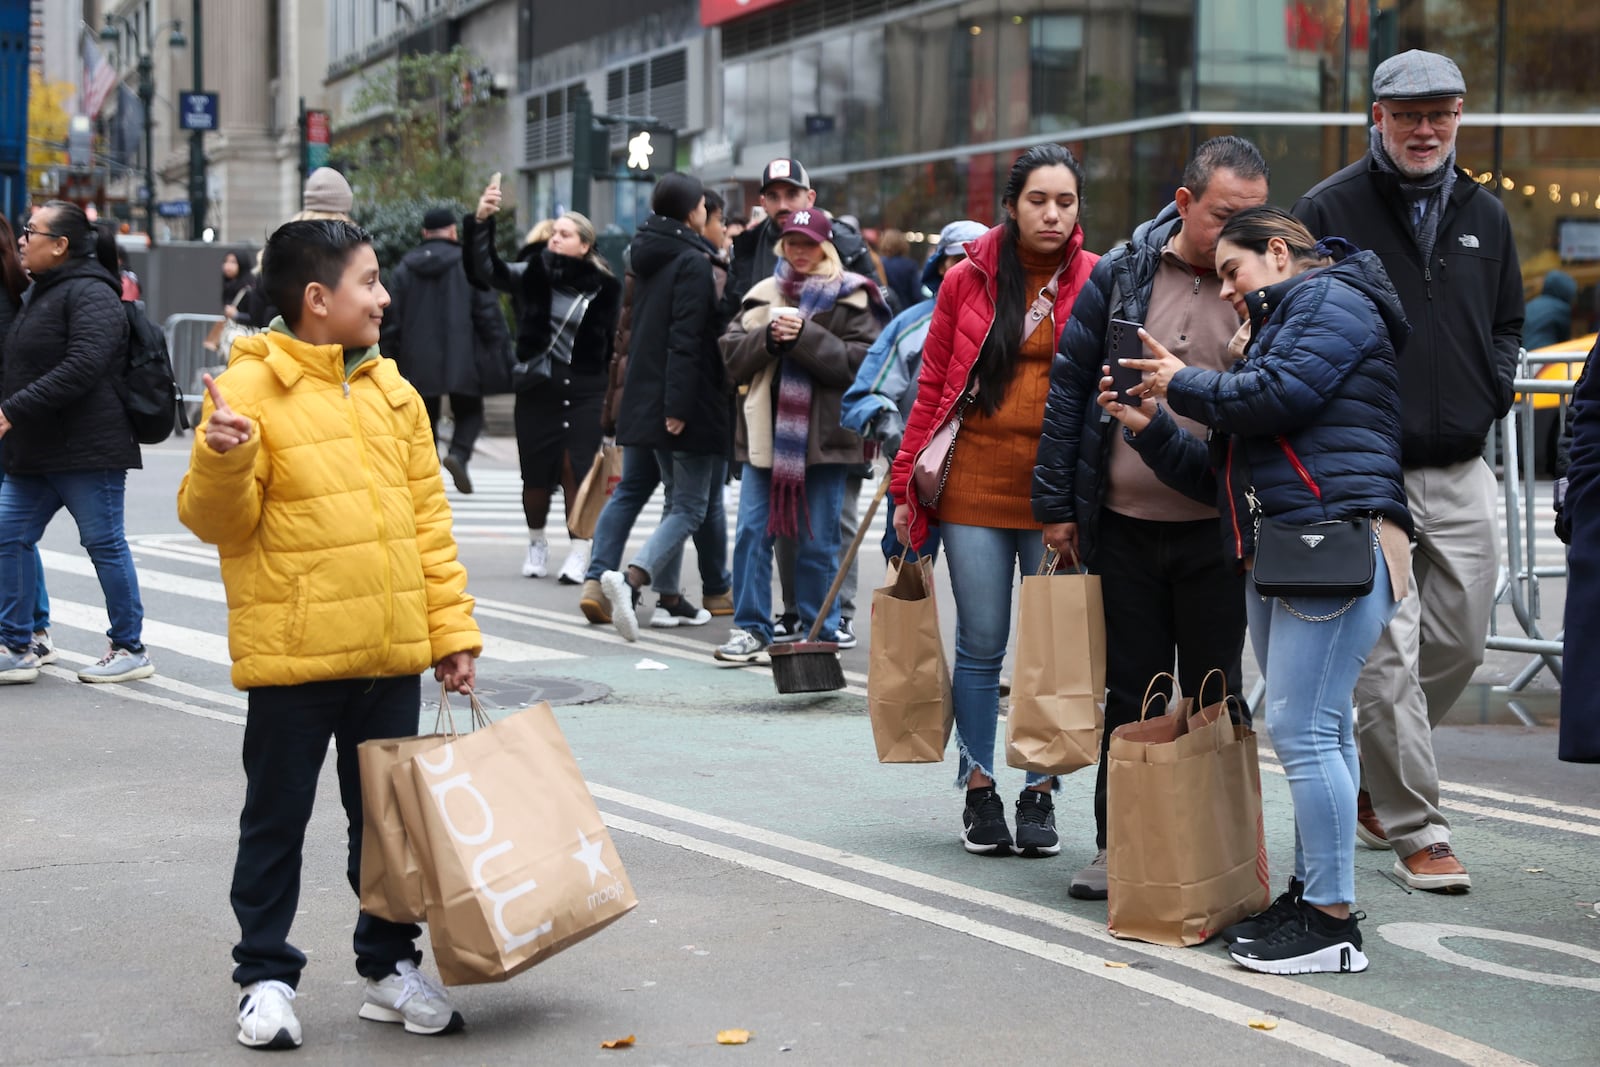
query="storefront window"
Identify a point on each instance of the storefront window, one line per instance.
(865, 103)
(1282, 55)
(1554, 205)
(1055, 68)
(1553, 56)
(735, 109)
(1164, 57)
(1298, 156)
(1468, 31)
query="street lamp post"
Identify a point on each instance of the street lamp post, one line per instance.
(116, 25)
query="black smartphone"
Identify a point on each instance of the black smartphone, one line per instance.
(1125, 344)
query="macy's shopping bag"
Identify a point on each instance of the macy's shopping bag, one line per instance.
(597, 486)
(908, 679)
(518, 864)
(1058, 687)
(1186, 852)
(391, 875)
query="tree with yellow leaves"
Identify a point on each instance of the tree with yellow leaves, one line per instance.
(49, 112)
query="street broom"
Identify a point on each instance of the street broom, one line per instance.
(813, 666)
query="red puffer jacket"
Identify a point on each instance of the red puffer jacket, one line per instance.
(961, 321)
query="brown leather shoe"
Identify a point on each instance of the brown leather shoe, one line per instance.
(1434, 868)
(1368, 828)
(593, 603)
(720, 604)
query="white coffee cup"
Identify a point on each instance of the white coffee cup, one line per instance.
(788, 313)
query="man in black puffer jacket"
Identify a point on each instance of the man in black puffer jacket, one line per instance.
(1447, 245)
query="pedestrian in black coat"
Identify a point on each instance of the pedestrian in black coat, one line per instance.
(447, 337)
(1580, 682)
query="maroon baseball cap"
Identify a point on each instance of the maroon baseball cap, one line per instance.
(813, 222)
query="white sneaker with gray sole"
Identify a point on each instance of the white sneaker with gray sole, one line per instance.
(410, 997)
(119, 665)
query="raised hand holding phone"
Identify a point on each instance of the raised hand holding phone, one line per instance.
(489, 202)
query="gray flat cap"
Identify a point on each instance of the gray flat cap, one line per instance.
(1417, 75)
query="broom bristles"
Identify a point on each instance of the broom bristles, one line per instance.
(807, 667)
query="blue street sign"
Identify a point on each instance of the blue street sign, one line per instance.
(172, 209)
(197, 111)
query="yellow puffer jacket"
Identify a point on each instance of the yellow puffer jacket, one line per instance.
(331, 520)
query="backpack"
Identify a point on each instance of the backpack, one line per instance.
(148, 388)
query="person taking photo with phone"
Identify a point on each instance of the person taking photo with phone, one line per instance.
(1169, 593)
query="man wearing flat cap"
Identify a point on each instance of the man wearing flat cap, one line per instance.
(448, 338)
(1447, 245)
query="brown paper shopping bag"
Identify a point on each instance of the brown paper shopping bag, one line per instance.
(908, 678)
(391, 876)
(1059, 683)
(598, 485)
(519, 864)
(1185, 844)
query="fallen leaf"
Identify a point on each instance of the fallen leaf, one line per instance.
(1533, 870)
(1115, 963)
(1264, 1024)
(618, 1042)
(732, 1037)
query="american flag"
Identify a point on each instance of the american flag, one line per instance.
(98, 78)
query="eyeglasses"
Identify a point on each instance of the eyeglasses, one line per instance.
(1406, 121)
(29, 232)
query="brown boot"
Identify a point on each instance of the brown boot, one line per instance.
(719, 604)
(1434, 868)
(593, 603)
(1368, 828)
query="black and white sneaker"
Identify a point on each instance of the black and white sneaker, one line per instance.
(786, 629)
(1036, 825)
(846, 637)
(1311, 942)
(1259, 925)
(984, 831)
(624, 604)
(683, 613)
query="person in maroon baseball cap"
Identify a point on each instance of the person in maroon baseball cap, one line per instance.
(796, 345)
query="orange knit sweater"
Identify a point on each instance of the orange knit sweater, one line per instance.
(991, 477)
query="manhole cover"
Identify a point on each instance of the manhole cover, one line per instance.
(503, 693)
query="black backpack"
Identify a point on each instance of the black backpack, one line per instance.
(148, 388)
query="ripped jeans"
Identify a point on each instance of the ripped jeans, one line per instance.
(984, 564)
(1311, 670)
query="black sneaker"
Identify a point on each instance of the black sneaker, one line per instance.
(1036, 825)
(1311, 942)
(786, 629)
(847, 633)
(1259, 925)
(984, 831)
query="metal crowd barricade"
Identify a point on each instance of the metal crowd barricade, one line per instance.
(1518, 585)
(186, 336)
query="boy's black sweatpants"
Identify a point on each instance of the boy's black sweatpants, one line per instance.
(286, 734)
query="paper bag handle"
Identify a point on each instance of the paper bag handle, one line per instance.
(1150, 695)
(1052, 559)
(446, 716)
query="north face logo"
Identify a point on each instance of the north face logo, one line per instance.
(803, 218)
(1311, 540)
(1468, 240)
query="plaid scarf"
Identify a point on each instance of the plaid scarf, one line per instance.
(813, 295)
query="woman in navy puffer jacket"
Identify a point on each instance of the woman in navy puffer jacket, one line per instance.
(1308, 431)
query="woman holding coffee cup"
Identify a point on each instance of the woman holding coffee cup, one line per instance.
(793, 350)
(986, 362)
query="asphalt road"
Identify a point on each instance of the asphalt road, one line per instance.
(789, 884)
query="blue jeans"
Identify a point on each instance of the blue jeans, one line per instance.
(640, 476)
(983, 563)
(1311, 670)
(816, 551)
(688, 478)
(41, 598)
(94, 499)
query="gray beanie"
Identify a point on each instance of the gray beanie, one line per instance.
(326, 190)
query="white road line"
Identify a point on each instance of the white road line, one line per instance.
(1370, 1016)
(163, 635)
(132, 692)
(171, 685)
(1297, 1035)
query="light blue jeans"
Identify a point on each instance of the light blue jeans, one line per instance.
(984, 563)
(640, 476)
(816, 551)
(1311, 670)
(687, 479)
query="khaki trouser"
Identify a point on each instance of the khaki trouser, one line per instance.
(1424, 660)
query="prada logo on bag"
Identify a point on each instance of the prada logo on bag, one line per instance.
(1312, 540)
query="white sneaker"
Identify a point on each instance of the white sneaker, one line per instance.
(119, 665)
(537, 563)
(742, 646)
(43, 647)
(624, 604)
(18, 667)
(682, 613)
(576, 566)
(265, 1018)
(411, 997)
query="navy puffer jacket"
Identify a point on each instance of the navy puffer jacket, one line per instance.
(1309, 420)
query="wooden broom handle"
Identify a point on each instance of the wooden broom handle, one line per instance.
(849, 556)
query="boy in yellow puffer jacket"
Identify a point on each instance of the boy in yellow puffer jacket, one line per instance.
(314, 473)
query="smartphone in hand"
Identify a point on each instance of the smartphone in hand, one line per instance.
(1125, 344)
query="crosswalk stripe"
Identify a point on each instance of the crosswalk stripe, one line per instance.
(494, 646)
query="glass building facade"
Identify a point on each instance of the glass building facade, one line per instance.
(910, 113)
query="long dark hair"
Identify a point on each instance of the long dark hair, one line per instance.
(13, 280)
(997, 361)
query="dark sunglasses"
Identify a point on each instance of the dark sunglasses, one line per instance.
(29, 232)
